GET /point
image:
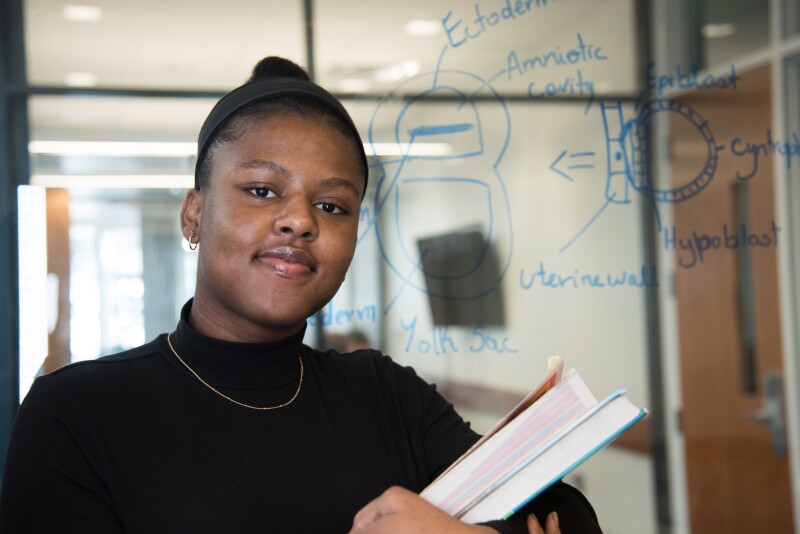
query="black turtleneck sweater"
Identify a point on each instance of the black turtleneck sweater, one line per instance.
(135, 443)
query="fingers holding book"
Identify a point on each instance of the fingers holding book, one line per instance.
(550, 524)
(399, 510)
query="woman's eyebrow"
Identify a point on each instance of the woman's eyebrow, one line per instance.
(277, 168)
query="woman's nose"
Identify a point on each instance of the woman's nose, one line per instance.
(297, 219)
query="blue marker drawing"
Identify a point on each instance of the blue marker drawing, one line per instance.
(459, 125)
(440, 129)
(618, 175)
(486, 83)
(581, 165)
(587, 225)
(627, 150)
(417, 267)
(573, 165)
(465, 185)
(553, 166)
(627, 146)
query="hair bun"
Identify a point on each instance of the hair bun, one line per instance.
(273, 66)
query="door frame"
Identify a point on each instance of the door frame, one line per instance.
(670, 25)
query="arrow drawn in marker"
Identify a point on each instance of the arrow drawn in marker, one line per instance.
(573, 166)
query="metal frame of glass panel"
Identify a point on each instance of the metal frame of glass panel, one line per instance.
(13, 172)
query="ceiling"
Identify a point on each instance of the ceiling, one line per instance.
(360, 46)
(210, 45)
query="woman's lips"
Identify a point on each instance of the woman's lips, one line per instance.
(288, 261)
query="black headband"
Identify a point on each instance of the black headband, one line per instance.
(265, 89)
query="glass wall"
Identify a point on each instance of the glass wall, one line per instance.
(177, 44)
(722, 30)
(539, 184)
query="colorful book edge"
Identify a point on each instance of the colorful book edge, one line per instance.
(642, 413)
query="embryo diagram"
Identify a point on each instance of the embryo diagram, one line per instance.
(446, 113)
(457, 122)
(627, 145)
(467, 256)
(627, 149)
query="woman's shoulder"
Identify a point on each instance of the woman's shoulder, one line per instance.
(123, 362)
(112, 373)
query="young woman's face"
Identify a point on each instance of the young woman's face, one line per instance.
(277, 226)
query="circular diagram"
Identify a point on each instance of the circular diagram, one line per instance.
(444, 213)
(636, 146)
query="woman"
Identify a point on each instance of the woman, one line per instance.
(229, 423)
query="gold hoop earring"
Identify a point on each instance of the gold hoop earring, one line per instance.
(192, 244)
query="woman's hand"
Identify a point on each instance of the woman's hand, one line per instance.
(550, 524)
(399, 510)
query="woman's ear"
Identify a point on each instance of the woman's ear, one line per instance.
(191, 213)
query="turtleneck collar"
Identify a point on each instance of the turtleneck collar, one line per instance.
(230, 364)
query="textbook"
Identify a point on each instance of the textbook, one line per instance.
(549, 433)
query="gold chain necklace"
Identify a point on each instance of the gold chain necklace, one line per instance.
(221, 394)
